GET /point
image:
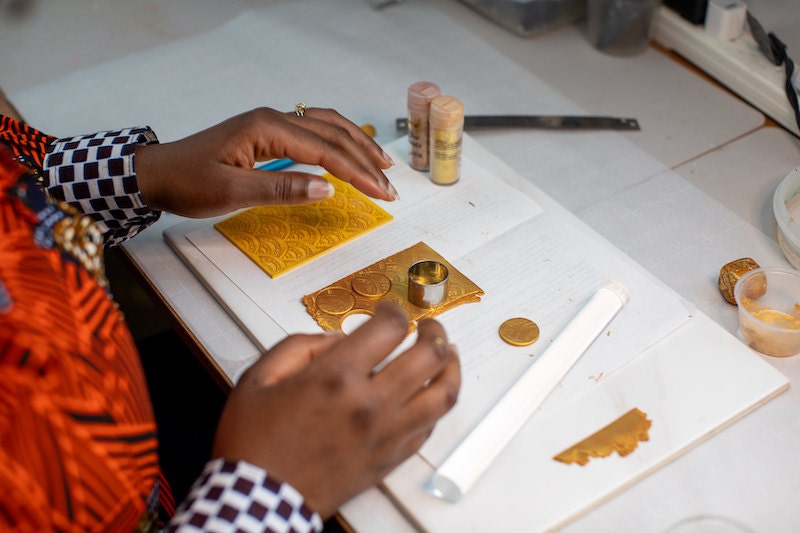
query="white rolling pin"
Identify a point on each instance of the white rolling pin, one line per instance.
(484, 443)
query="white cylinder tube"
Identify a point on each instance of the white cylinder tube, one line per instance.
(485, 442)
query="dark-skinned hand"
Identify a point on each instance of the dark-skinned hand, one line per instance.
(313, 412)
(211, 172)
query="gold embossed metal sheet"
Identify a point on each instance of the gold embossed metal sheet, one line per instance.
(279, 238)
(394, 269)
(622, 436)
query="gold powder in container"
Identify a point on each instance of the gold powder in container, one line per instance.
(447, 126)
(769, 314)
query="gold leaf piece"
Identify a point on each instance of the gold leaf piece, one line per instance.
(279, 238)
(621, 436)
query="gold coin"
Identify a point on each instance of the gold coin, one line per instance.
(371, 284)
(335, 300)
(519, 331)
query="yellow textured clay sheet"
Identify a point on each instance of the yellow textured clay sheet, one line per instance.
(279, 238)
(387, 279)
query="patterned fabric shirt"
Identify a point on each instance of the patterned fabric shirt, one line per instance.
(78, 441)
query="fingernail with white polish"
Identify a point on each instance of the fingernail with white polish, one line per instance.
(320, 189)
(392, 191)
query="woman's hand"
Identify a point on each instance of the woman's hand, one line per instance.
(313, 412)
(211, 172)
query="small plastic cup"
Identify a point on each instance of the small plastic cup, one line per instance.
(786, 207)
(769, 310)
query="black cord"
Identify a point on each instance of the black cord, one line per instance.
(775, 51)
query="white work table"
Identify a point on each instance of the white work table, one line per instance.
(711, 150)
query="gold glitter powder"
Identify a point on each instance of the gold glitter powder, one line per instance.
(770, 331)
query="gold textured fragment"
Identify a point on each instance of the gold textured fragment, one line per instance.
(279, 238)
(519, 331)
(730, 273)
(622, 436)
(461, 290)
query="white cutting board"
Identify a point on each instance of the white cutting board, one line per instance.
(691, 385)
(691, 377)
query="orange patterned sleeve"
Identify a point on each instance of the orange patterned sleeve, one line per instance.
(26, 143)
(78, 447)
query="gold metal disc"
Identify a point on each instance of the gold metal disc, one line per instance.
(335, 301)
(519, 331)
(371, 284)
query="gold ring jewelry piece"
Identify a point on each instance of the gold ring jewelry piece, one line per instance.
(300, 109)
(730, 273)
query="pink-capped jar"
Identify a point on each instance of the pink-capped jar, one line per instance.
(420, 95)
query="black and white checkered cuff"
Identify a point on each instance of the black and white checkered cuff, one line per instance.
(95, 174)
(237, 496)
